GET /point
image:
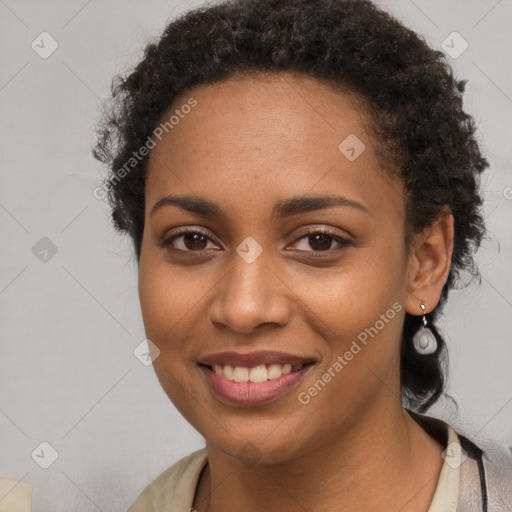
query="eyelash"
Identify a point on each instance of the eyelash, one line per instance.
(342, 241)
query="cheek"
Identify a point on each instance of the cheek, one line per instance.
(348, 298)
(361, 339)
(168, 301)
(358, 311)
(162, 308)
(168, 297)
(173, 306)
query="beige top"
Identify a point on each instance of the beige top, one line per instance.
(15, 495)
(175, 488)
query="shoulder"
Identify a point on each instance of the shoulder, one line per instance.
(496, 468)
(485, 467)
(174, 488)
(16, 495)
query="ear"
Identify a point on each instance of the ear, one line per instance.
(429, 264)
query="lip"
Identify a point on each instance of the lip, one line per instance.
(252, 393)
(251, 359)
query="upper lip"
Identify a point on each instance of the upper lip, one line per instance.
(251, 359)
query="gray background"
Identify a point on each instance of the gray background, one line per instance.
(69, 325)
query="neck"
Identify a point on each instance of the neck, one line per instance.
(383, 461)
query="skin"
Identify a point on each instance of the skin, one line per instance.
(247, 144)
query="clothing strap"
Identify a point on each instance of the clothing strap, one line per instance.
(477, 453)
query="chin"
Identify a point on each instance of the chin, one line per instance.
(253, 450)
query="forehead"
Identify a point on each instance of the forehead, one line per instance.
(253, 140)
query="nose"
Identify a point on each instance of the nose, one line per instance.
(250, 295)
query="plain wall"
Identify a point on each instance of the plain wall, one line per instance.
(69, 325)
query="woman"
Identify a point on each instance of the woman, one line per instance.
(300, 183)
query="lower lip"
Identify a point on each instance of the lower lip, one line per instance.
(252, 393)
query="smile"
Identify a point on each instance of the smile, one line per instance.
(260, 384)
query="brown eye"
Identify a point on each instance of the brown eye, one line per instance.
(321, 242)
(187, 241)
(194, 241)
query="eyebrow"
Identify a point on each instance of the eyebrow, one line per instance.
(283, 208)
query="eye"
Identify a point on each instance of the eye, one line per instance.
(321, 242)
(188, 241)
(196, 241)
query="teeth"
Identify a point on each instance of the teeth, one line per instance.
(241, 374)
(259, 373)
(227, 371)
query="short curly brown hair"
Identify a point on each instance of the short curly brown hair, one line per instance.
(413, 100)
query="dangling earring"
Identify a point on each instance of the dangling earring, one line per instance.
(424, 340)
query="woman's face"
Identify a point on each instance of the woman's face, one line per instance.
(260, 278)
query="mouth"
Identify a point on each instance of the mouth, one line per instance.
(259, 373)
(249, 386)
